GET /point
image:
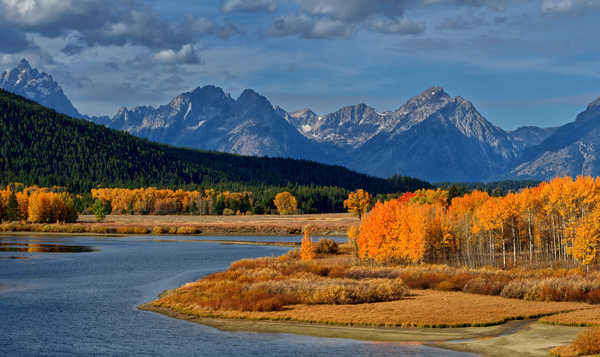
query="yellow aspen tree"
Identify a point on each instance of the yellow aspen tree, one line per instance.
(359, 202)
(286, 203)
(306, 249)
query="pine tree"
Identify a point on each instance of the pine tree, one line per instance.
(12, 208)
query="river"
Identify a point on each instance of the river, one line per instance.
(65, 296)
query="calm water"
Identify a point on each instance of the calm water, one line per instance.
(81, 300)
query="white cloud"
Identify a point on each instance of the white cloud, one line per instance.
(186, 55)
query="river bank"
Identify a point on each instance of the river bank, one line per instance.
(523, 337)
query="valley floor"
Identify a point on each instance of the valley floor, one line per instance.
(334, 224)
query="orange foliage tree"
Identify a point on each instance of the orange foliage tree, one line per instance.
(359, 202)
(307, 251)
(155, 201)
(553, 223)
(286, 203)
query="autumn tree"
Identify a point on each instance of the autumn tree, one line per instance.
(286, 203)
(307, 251)
(352, 233)
(359, 202)
(586, 246)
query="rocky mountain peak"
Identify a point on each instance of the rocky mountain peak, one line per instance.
(23, 65)
(433, 94)
(425, 103)
(251, 99)
(39, 87)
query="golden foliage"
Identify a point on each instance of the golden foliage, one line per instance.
(307, 251)
(155, 201)
(359, 202)
(286, 203)
(557, 221)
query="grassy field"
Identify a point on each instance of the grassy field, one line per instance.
(590, 317)
(325, 224)
(421, 308)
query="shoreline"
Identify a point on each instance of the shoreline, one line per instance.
(525, 337)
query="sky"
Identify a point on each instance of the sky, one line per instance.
(520, 62)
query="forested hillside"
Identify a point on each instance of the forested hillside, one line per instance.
(41, 146)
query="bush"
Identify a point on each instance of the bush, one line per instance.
(228, 212)
(446, 286)
(518, 289)
(483, 286)
(187, 230)
(588, 341)
(158, 230)
(327, 247)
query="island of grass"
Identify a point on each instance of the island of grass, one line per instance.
(335, 295)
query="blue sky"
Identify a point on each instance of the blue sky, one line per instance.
(520, 62)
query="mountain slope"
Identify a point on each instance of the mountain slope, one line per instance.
(348, 127)
(209, 119)
(573, 149)
(527, 136)
(438, 138)
(40, 146)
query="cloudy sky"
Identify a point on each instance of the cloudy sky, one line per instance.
(521, 62)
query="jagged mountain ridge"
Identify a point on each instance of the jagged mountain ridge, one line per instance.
(432, 136)
(208, 118)
(438, 137)
(572, 149)
(37, 86)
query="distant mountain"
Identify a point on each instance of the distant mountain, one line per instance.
(572, 149)
(37, 86)
(41, 146)
(432, 136)
(436, 137)
(209, 119)
(350, 126)
(527, 136)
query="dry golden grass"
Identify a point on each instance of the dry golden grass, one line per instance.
(425, 308)
(589, 317)
(325, 224)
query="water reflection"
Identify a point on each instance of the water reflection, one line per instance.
(43, 248)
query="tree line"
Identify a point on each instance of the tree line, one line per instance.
(37, 205)
(554, 223)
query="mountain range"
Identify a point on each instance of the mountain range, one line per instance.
(41, 146)
(433, 136)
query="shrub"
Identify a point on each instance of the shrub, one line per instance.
(446, 286)
(158, 230)
(588, 341)
(593, 296)
(518, 289)
(228, 212)
(326, 246)
(187, 230)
